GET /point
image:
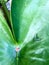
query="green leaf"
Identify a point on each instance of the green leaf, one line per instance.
(36, 52)
(27, 13)
(1, 1)
(30, 19)
(7, 49)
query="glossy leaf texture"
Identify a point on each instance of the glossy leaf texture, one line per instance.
(27, 13)
(7, 51)
(36, 52)
(30, 19)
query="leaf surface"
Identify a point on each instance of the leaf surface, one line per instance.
(36, 52)
(26, 15)
(30, 19)
(7, 50)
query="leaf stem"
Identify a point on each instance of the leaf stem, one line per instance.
(7, 14)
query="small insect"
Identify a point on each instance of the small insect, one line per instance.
(36, 38)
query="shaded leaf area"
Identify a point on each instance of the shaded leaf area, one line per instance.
(7, 51)
(28, 14)
(3, 1)
(36, 52)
